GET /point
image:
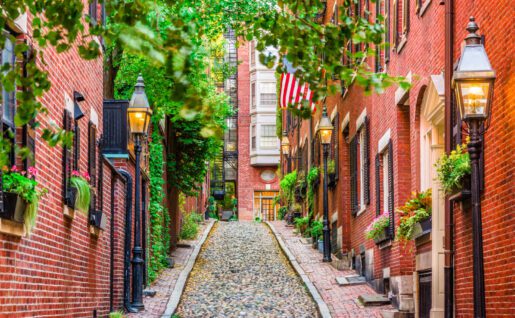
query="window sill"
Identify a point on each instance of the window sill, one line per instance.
(363, 209)
(68, 212)
(12, 228)
(424, 8)
(94, 231)
(401, 44)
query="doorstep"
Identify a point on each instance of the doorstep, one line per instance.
(351, 280)
(374, 300)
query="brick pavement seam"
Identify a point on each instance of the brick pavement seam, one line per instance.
(175, 297)
(321, 305)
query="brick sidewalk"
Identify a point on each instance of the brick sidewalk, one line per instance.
(165, 282)
(342, 301)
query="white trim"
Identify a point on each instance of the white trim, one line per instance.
(401, 95)
(334, 217)
(345, 121)
(68, 103)
(93, 117)
(334, 112)
(361, 119)
(383, 141)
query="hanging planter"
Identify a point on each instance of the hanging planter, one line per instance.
(79, 192)
(453, 173)
(422, 228)
(21, 196)
(415, 217)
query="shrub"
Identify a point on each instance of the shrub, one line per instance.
(287, 186)
(116, 314)
(257, 219)
(376, 228)
(301, 224)
(282, 212)
(316, 229)
(452, 168)
(189, 227)
(416, 209)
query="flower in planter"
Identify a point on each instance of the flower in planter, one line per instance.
(375, 229)
(331, 166)
(415, 210)
(80, 181)
(452, 168)
(23, 184)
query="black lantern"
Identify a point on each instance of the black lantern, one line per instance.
(325, 129)
(139, 112)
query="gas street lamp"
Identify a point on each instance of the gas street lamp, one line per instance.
(325, 129)
(285, 148)
(473, 82)
(138, 117)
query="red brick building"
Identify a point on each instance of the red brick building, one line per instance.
(385, 147)
(73, 261)
(258, 145)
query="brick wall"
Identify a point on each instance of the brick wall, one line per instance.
(249, 177)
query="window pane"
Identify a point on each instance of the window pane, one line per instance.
(268, 137)
(8, 97)
(268, 99)
(253, 137)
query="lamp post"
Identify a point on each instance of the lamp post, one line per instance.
(473, 83)
(138, 116)
(285, 148)
(325, 128)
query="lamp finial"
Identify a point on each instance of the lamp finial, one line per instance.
(472, 37)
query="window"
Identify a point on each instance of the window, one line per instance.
(8, 59)
(400, 23)
(252, 54)
(267, 96)
(334, 146)
(268, 138)
(359, 165)
(253, 95)
(253, 137)
(93, 11)
(380, 54)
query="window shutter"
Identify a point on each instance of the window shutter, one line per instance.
(354, 175)
(93, 11)
(387, 31)
(391, 189)
(92, 152)
(335, 147)
(76, 145)
(366, 163)
(405, 17)
(395, 30)
(67, 154)
(100, 186)
(378, 185)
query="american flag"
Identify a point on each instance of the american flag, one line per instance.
(293, 92)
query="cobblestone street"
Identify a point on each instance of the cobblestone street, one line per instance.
(241, 272)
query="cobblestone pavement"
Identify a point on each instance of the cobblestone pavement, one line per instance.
(165, 283)
(342, 301)
(241, 272)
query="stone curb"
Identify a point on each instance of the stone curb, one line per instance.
(321, 305)
(175, 297)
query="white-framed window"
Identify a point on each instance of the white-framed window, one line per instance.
(267, 94)
(253, 95)
(268, 138)
(253, 137)
(361, 183)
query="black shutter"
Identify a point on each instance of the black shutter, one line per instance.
(67, 154)
(378, 47)
(93, 11)
(387, 31)
(378, 185)
(354, 175)
(334, 147)
(391, 189)
(92, 152)
(76, 145)
(366, 162)
(100, 186)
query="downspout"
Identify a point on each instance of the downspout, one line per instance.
(449, 215)
(111, 243)
(127, 243)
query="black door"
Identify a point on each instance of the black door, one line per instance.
(424, 292)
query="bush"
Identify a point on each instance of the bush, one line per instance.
(316, 229)
(301, 224)
(197, 217)
(282, 212)
(189, 227)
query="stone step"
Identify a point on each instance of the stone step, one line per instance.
(226, 215)
(350, 280)
(374, 300)
(396, 314)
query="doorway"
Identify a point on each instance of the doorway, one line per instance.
(264, 206)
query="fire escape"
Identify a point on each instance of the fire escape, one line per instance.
(225, 166)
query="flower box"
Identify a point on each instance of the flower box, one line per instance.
(422, 228)
(218, 194)
(464, 193)
(14, 207)
(384, 236)
(98, 219)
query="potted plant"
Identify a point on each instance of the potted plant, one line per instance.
(297, 210)
(415, 217)
(453, 170)
(320, 245)
(302, 224)
(21, 196)
(80, 191)
(331, 173)
(316, 231)
(378, 230)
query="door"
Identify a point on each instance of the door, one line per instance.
(267, 209)
(424, 287)
(264, 206)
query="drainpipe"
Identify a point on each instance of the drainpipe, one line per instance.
(449, 215)
(111, 243)
(127, 243)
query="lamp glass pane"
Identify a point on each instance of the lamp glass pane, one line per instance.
(474, 98)
(138, 121)
(285, 149)
(325, 135)
(474, 59)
